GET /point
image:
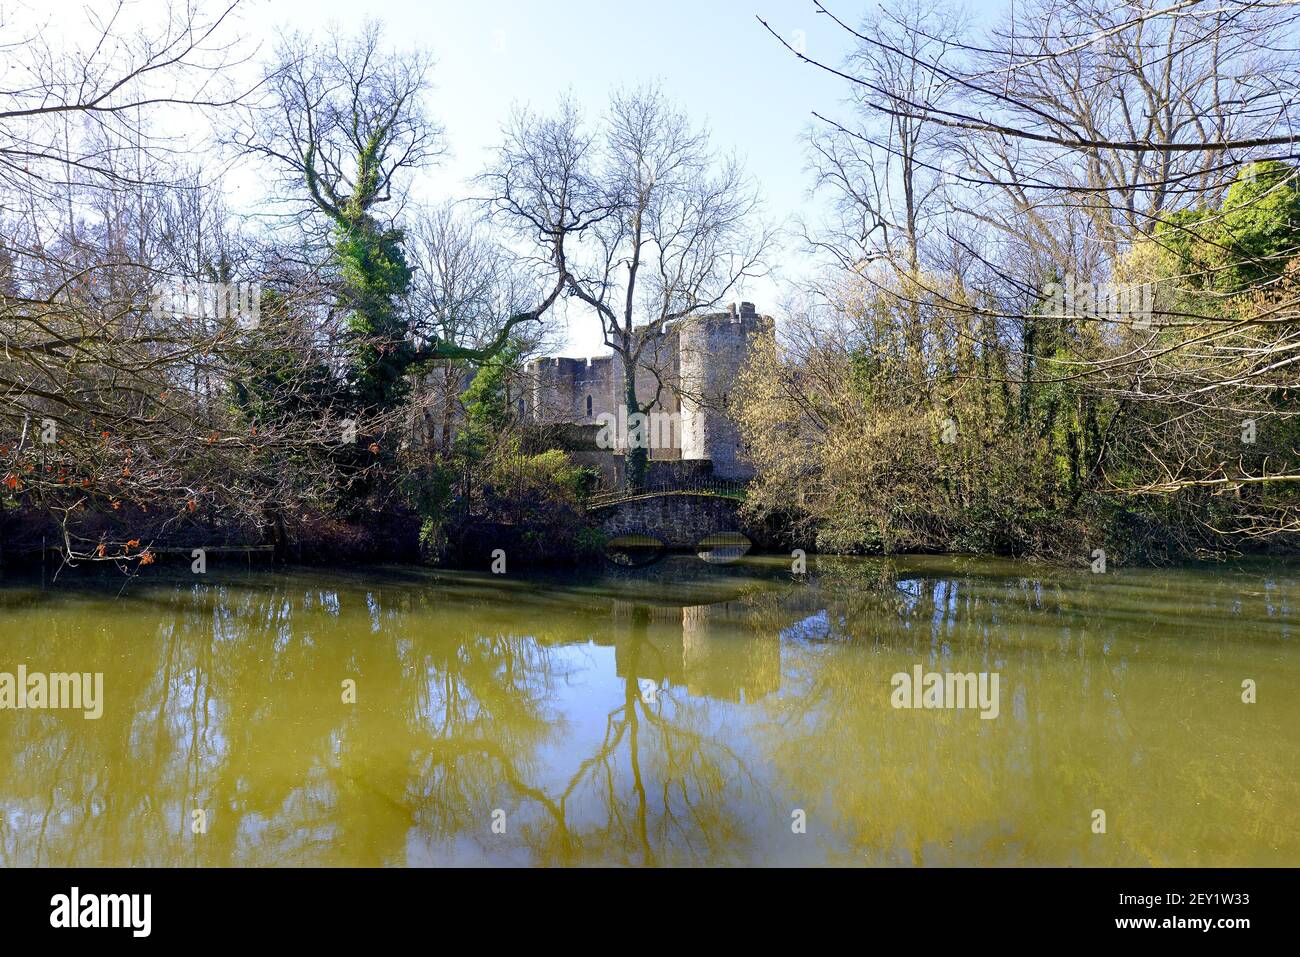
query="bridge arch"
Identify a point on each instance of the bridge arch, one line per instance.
(678, 518)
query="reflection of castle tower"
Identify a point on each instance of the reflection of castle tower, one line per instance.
(723, 657)
(711, 649)
(697, 359)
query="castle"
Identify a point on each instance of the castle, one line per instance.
(691, 367)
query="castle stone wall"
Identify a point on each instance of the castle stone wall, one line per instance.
(713, 350)
(697, 360)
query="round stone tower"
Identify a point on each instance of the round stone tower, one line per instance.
(712, 350)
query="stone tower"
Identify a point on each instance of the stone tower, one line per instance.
(712, 351)
(698, 360)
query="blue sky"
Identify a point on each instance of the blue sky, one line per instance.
(711, 56)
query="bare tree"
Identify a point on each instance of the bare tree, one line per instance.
(645, 224)
(1107, 146)
(101, 413)
(886, 172)
(466, 287)
(345, 122)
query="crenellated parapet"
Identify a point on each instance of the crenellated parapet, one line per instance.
(698, 360)
(713, 350)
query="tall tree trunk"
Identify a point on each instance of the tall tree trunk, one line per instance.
(637, 454)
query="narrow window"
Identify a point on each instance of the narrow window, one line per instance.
(588, 406)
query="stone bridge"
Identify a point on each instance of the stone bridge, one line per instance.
(679, 518)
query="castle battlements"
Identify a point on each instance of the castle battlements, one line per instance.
(743, 321)
(696, 359)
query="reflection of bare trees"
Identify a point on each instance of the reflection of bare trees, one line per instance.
(625, 732)
(1106, 680)
(230, 702)
(670, 790)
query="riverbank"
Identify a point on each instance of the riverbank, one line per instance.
(561, 535)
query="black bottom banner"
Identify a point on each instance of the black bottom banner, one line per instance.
(140, 906)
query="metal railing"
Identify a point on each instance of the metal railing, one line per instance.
(719, 487)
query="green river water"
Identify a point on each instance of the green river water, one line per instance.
(684, 713)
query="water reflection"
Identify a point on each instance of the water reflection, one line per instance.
(669, 715)
(702, 648)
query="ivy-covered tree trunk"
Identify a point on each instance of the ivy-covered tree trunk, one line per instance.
(636, 457)
(376, 278)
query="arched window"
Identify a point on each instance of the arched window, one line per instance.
(521, 408)
(588, 406)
